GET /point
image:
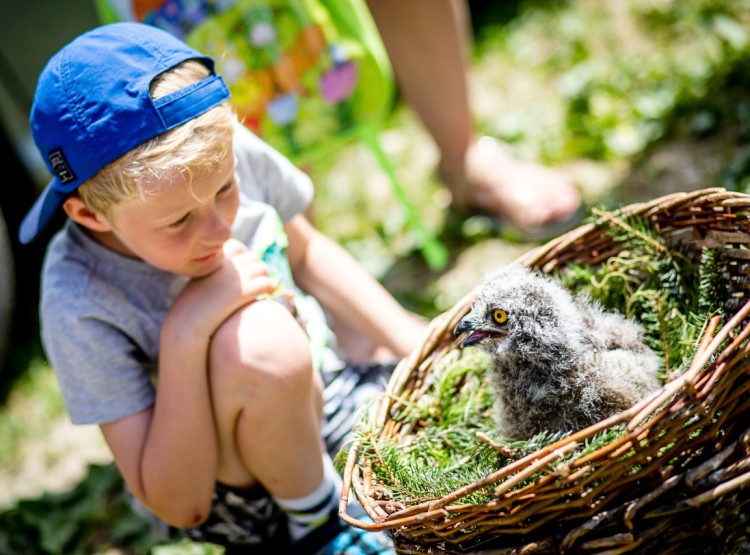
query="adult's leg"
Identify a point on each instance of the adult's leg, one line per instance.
(427, 43)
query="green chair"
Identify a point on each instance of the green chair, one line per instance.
(306, 75)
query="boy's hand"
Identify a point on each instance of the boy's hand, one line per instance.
(206, 302)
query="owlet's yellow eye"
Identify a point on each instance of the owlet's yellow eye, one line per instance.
(500, 316)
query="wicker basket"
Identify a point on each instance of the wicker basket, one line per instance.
(675, 483)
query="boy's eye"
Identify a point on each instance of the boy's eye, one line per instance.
(179, 222)
(228, 186)
(500, 316)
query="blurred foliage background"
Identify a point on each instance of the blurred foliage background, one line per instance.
(634, 99)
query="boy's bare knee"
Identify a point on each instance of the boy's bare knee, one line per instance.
(261, 350)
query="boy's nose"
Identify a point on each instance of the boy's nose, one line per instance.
(219, 228)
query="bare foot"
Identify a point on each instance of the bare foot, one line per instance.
(528, 196)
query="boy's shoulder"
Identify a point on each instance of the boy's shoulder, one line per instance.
(68, 267)
(78, 270)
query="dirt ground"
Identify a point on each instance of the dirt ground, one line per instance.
(54, 462)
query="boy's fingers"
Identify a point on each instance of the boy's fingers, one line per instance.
(251, 267)
(265, 284)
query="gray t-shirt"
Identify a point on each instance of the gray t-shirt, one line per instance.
(101, 312)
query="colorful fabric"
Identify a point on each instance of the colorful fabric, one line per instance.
(304, 74)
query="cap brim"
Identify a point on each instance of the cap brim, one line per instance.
(45, 207)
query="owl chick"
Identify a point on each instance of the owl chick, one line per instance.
(558, 363)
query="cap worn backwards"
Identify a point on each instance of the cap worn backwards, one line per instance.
(92, 105)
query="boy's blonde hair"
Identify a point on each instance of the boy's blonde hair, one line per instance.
(192, 147)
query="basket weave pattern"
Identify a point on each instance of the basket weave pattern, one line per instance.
(675, 482)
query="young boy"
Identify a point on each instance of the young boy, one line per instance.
(174, 268)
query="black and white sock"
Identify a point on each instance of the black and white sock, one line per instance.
(306, 514)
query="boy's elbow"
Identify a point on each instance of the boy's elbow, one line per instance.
(178, 506)
(188, 519)
(182, 518)
(180, 514)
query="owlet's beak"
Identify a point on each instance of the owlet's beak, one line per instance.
(467, 325)
(478, 331)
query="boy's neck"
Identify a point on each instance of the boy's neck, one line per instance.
(107, 239)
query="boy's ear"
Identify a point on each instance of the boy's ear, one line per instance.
(81, 214)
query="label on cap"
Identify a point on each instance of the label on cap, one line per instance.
(60, 166)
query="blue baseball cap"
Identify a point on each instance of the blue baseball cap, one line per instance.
(92, 105)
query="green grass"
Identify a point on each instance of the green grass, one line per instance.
(34, 402)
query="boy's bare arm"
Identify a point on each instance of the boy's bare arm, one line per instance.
(168, 453)
(347, 291)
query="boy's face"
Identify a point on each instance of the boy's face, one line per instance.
(182, 227)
